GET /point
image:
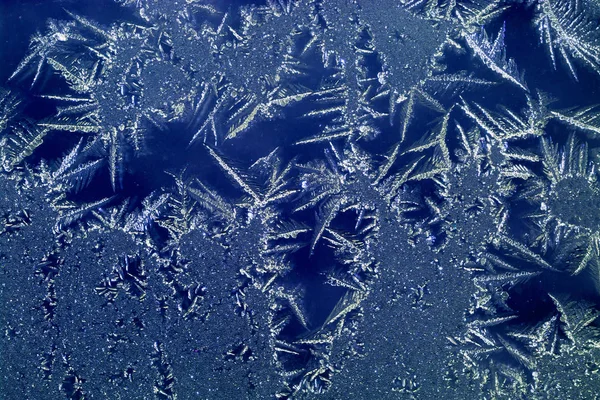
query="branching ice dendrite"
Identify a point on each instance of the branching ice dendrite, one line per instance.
(493, 55)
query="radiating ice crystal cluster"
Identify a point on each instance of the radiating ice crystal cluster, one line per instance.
(302, 199)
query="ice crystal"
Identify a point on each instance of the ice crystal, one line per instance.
(567, 30)
(254, 201)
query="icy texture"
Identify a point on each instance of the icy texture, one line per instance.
(303, 199)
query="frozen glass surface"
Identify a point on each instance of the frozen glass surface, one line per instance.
(286, 199)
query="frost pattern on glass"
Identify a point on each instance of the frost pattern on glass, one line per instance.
(303, 199)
